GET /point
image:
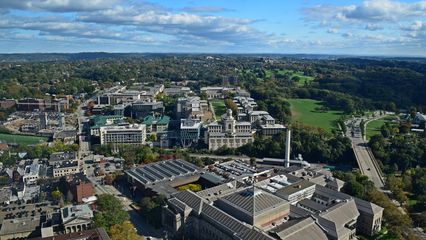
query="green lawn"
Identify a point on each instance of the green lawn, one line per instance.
(219, 107)
(306, 111)
(21, 139)
(373, 127)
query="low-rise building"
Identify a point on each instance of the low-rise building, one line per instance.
(31, 173)
(66, 168)
(80, 187)
(77, 218)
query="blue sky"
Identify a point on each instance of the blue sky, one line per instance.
(369, 27)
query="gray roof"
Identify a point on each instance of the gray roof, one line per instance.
(312, 205)
(218, 218)
(296, 187)
(336, 217)
(368, 207)
(162, 171)
(305, 228)
(22, 225)
(253, 201)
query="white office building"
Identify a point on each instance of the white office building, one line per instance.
(128, 134)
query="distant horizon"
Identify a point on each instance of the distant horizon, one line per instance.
(330, 27)
(224, 53)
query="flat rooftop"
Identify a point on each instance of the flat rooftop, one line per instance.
(162, 171)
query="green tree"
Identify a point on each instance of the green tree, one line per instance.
(110, 211)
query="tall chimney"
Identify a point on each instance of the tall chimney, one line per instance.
(287, 148)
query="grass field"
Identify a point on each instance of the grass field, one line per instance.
(21, 139)
(219, 107)
(305, 111)
(373, 127)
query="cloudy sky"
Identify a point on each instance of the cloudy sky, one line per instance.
(369, 27)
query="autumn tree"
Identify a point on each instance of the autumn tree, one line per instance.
(126, 230)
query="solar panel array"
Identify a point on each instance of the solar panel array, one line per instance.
(162, 171)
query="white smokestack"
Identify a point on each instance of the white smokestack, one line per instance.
(287, 148)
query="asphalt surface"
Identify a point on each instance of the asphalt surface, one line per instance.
(363, 154)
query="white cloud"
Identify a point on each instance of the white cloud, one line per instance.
(373, 27)
(332, 30)
(205, 9)
(367, 11)
(181, 25)
(57, 5)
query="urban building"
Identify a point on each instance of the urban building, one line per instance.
(129, 134)
(76, 218)
(80, 187)
(98, 121)
(31, 174)
(191, 107)
(190, 131)
(7, 103)
(228, 132)
(177, 91)
(156, 124)
(66, 168)
(31, 104)
(141, 108)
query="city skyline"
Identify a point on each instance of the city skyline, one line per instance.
(382, 27)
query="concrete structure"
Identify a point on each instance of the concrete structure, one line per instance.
(190, 132)
(228, 132)
(129, 134)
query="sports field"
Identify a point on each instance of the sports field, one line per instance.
(308, 112)
(219, 107)
(373, 127)
(21, 139)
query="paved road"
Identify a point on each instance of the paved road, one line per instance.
(365, 159)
